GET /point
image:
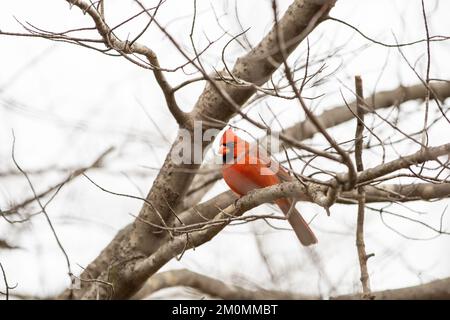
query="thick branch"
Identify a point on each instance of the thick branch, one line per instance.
(380, 100)
(421, 156)
(438, 289)
(142, 269)
(360, 244)
(210, 286)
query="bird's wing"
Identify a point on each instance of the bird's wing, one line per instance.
(275, 167)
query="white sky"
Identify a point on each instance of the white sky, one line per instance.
(67, 104)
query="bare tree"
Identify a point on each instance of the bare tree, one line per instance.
(392, 156)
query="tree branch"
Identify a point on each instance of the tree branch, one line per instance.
(125, 48)
(435, 290)
(360, 245)
(329, 118)
(438, 289)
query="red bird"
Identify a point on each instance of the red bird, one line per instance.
(245, 170)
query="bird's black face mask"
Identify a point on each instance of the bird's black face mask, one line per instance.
(228, 156)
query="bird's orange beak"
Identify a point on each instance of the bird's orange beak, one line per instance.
(223, 150)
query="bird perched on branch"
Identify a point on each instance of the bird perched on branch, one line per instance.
(246, 168)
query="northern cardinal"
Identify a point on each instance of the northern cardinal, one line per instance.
(245, 169)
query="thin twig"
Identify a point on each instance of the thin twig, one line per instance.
(360, 245)
(44, 211)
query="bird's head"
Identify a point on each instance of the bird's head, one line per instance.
(229, 146)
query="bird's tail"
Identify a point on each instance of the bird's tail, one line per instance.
(300, 226)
